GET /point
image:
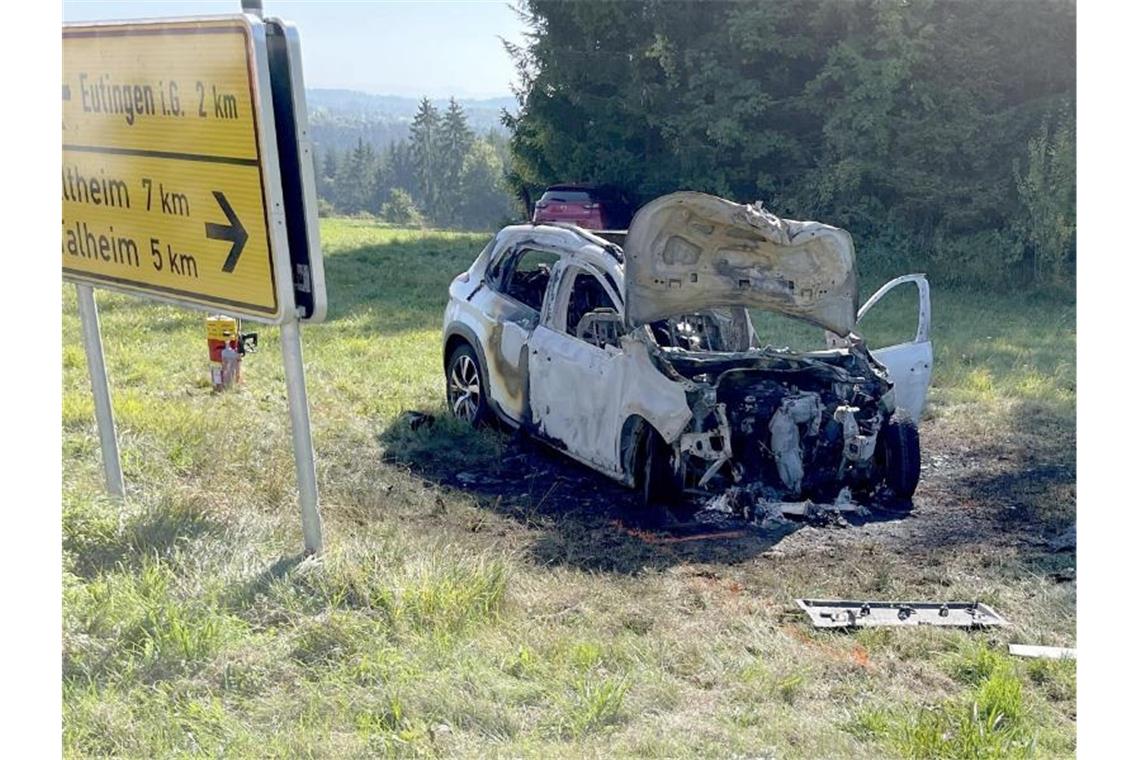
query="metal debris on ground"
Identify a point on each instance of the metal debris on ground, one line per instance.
(824, 514)
(475, 479)
(759, 506)
(1048, 653)
(1065, 574)
(831, 613)
(417, 420)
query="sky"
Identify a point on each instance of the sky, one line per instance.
(435, 48)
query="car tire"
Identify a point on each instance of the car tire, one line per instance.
(899, 455)
(466, 387)
(657, 485)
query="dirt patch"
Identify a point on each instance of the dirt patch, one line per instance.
(1011, 498)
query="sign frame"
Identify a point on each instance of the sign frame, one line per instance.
(305, 255)
(282, 267)
(265, 134)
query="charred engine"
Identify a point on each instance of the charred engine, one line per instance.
(792, 425)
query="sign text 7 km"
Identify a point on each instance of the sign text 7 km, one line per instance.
(171, 180)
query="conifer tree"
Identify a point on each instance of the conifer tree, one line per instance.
(425, 144)
(456, 140)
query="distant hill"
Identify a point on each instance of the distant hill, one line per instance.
(337, 118)
(368, 104)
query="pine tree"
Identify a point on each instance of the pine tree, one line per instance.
(1047, 191)
(330, 164)
(425, 144)
(456, 140)
(394, 170)
(897, 121)
(326, 176)
(381, 183)
(354, 181)
(401, 165)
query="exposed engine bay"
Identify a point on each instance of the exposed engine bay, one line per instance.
(788, 424)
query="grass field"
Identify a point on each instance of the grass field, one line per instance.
(445, 621)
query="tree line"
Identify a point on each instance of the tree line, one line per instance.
(442, 174)
(940, 133)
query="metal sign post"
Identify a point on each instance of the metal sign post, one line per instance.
(97, 369)
(302, 435)
(187, 178)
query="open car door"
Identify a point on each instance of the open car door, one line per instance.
(909, 363)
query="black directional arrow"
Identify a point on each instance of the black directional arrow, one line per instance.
(232, 232)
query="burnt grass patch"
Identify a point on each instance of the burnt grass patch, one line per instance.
(586, 520)
(1014, 493)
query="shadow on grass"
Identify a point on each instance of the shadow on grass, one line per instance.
(1029, 476)
(242, 596)
(1032, 487)
(584, 519)
(154, 532)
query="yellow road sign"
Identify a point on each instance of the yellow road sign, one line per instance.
(170, 176)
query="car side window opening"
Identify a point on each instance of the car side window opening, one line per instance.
(526, 276)
(588, 312)
(489, 247)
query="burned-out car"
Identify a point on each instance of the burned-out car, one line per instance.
(642, 360)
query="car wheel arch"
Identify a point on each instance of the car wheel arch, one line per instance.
(634, 433)
(457, 335)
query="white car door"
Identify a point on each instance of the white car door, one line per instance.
(909, 363)
(575, 386)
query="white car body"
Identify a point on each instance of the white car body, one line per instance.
(691, 264)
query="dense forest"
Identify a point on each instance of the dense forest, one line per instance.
(338, 118)
(940, 133)
(442, 173)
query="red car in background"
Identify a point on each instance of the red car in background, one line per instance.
(590, 207)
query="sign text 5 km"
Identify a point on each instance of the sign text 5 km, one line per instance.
(171, 185)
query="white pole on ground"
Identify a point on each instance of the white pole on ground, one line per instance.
(97, 369)
(302, 435)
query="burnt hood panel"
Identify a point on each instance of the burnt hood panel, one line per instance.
(688, 251)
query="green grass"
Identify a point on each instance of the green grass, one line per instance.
(994, 718)
(440, 622)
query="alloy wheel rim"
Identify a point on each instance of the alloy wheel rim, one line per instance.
(463, 388)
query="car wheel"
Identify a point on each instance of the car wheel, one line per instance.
(466, 391)
(899, 456)
(656, 482)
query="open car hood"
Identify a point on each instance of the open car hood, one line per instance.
(688, 251)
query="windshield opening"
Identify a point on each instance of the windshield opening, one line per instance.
(778, 331)
(709, 330)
